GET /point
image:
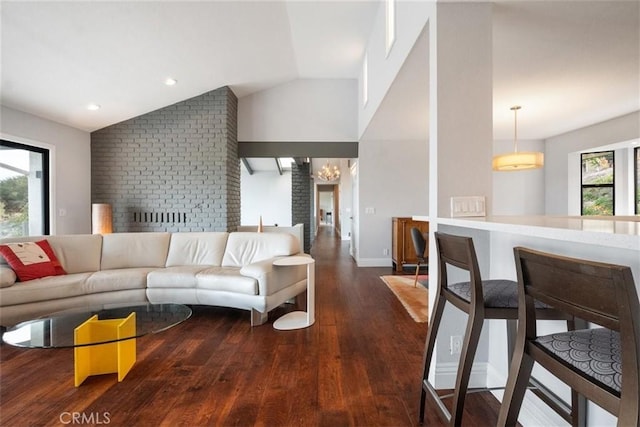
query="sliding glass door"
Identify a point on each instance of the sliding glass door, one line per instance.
(24, 190)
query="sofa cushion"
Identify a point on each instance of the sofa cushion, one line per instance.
(31, 260)
(175, 277)
(197, 248)
(47, 288)
(226, 279)
(246, 248)
(131, 250)
(78, 253)
(117, 280)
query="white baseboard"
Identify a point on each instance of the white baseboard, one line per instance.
(374, 262)
(446, 375)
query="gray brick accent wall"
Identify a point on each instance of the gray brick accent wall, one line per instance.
(302, 201)
(174, 169)
(233, 164)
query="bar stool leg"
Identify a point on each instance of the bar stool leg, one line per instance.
(468, 353)
(519, 375)
(434, 324)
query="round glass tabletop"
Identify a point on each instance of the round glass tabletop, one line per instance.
(57, 330)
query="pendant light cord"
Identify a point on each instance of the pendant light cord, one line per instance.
(515, 109)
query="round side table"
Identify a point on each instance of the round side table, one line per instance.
(299, 319)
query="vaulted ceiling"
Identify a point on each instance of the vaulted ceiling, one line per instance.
(58, 57)
(569, 63)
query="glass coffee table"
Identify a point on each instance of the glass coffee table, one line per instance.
(103, 337)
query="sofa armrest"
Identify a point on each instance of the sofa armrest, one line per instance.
(272, 279)
(258, 269)
(7, 276)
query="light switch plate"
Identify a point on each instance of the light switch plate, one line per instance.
(468, 206)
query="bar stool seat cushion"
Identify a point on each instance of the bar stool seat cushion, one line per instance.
(497, 293)
(595, 352)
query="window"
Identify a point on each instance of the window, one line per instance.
(636, 153)
(390, 25)
(24, 190)
(597, 183)
(365, 80)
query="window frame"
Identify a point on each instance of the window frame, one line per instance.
(612, 185)
(636, 181)
(46, 179)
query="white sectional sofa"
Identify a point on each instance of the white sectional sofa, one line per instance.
(208, 268)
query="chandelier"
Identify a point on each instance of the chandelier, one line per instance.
(327, 173)
(517, 160)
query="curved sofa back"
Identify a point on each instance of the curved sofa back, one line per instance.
(130, 250)
(82, 253)
(197, 248)
(77, 253)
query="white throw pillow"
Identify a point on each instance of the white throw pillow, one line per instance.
(7, 276)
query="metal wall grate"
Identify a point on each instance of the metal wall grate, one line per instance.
(159, 217)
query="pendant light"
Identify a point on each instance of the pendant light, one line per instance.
(518, 160)
(327, 173)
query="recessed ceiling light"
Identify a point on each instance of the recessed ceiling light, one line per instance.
(93, 107)
(170, 81)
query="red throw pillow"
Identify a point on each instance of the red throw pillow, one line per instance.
(32, 260)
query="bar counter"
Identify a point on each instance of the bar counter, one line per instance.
(620, 232)
(613, 240)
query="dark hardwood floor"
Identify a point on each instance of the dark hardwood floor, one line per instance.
(359, 365)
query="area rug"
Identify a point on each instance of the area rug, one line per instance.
(414, 299)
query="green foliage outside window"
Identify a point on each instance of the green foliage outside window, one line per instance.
(597, 201)
(14, 211)
(597, 183)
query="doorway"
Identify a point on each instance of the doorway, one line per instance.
(327, 206)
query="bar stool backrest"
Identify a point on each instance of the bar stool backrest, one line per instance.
(459, 251)
(601, 293)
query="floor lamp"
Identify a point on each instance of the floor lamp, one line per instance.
(101, 218)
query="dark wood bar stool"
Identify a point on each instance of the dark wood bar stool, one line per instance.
(419, 245)
(601, 363)
(480, 299)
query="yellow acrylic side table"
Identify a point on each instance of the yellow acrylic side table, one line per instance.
(112, 357)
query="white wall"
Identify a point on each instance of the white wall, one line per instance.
(301, 110)
(70, 157)
(558, 149)
(393, 180)
(411, 17)
(521, 192)
(267, 194)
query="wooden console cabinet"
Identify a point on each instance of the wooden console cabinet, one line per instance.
(402, 251)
